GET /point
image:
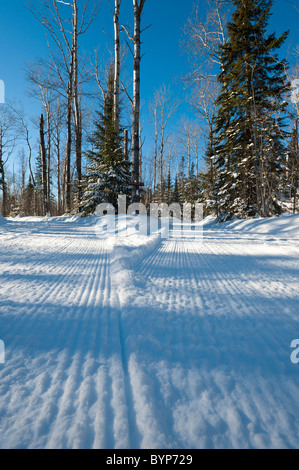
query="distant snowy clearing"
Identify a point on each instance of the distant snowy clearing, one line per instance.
(143, 342)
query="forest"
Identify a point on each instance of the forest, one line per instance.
(237, 150)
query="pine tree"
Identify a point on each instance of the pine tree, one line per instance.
(108, 170)
(176, 193)
(27, 200)
(182, 180)
(192, 189)
(292, 168)
(250, 117)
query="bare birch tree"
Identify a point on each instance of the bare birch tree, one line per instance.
(44, 87)
(203, 102)
(24, 131)
(162, 109)
(138, 10)
(52, 17)
(57, 129)
(117, 4)
(203, 38)
(189, 135)
(8, 137)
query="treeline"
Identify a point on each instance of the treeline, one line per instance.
(238, 155)
(73, 89)
(246, 99)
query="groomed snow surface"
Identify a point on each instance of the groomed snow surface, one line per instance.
(140, 342)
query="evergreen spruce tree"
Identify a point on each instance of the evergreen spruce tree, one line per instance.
(192, 188)
(27, 200)
(108, 170)
(168, 190)
(182, 181)
(292, 168)
(249, 151)
(176, 193)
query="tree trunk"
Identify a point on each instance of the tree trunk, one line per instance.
(161, 158)
(77, 110)
(30, 171)
(48, 157)
(189, 155)
(116, 66)
(58, 171)
(155, 152)
(44, 164)
(2, 179)
(67, 165)
(126, 144)
(138, 7)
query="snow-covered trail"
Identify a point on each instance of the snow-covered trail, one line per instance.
(216, 358)
(63, 381)
(169, 344)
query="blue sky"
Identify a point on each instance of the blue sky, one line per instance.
(22, 40)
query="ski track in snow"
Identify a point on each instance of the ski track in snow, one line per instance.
(62, 384)
(172, 344)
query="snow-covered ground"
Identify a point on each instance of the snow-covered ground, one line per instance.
(138, 342)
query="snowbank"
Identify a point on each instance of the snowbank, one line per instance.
(285, 226)
(128, 248)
